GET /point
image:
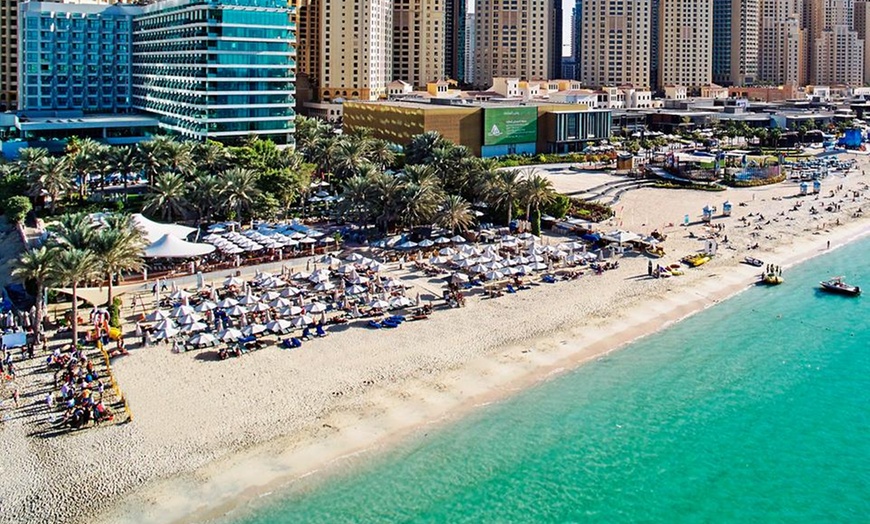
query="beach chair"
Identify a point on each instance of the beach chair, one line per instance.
(306, 333)
(319, 331)
(510, 289)
(397, 318)
(549, 279)
(390, 323)
(374, 324)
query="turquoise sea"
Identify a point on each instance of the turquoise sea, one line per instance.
(756, 410)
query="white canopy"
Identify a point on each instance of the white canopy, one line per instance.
(155, 230)
(169, 246)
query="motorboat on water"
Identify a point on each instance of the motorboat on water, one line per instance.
(838, 285)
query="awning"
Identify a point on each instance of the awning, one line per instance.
(170, 246)
(155, 230)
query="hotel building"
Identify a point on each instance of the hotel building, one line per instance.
(685, 43)
(419, 41)
(8, 55)
(782, 45)
(735, 41)
(615, 43)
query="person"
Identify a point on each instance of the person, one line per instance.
(649, 268)
(15, 396)
(829, 244)
(49, 400)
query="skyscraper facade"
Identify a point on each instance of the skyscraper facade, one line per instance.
(418, 41)
(735, 41)
(862, 27)
(782, 45)
(356, 49)
(577, 39)
(654, 41)
(454, 39)
(837, 52)
(9, 28)
(685, 43)
(615, 43)
(512, 39)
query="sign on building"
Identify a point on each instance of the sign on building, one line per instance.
(510, 125)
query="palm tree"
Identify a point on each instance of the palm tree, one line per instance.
(211, 157)
(350, 156)
(124, 160)
(153, 156)
(419, 150)
(240, 190)
(382, 153)
(455, 214)
(204, 194)
(74, 267)
(309, 132)
(537, 191)
(51, 177)
(356, 193)
(503, 189)
(29, 159)
(120, 247)
(386, 199)
(84, 157)
(72, 230)
(37, 266)
(167, 197)
(324, 153)
(179, 157)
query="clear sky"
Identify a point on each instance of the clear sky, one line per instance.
(567, 11)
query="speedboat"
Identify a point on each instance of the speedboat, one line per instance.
(837, 285)
(753, 262)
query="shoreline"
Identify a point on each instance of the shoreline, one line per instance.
(233, 484)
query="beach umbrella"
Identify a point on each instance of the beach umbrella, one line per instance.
(307, 240)
(379, 304)
(254, 329)
(319, 276)
(269, 296)
(290, 311)
(233, 281)
(202, 340)
(539, 266)
(205, 305)
(259, 307)
(478, 268)
(407, 245)
(300, 275)
(438, 260)
(442, 240)
(402, 301)
(324, 286)
(356, 290)
(279, 326)
(230, 335)
(181, 311)
(280, 303)
(163, 334)
(195, 327)
(180, 295)
(447, 251)
(458, 278)
(376, 266)
(158, 315)
(316, 307)
(346, 269)
(359, 279)
(495, 265)
(426, 243)
(525, 269)
(249, 300)
(163, 324)
(290, 292)
(236, 311)
(189, 319)
(494, 275)
(302, 321)
(227, 303)
(525, 236)
(329, 260)
(391, 283)
(458, 239)
(354, 257)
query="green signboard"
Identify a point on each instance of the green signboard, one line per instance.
(510, 125)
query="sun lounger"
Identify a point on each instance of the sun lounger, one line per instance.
(390, 324)
(549, 279)
(319, 331)
(373, 324)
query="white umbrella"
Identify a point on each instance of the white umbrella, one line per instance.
(181, 311)
(279, 326)
(236, 311)
(393, 283)
(356, 290)
(354, 257)
(291, 311)
(302, 321)
(280, 303)
(438, 260)
(316, 307)
(189, 319)
(447, 251)
(227, 303)
(205, 305)
(202, 339)
(270, 296)
(442, 240)
(324, 286)
(158, 315)
(539, 266)
(195, 327)
(233, 281)
(407, 245)
(459, 277)
(525, 269)
(494, 275)
(478, 268)
(329, 260)
(402, 301)
(249, 300)
(426, 243)
(180, 294)
(163, 324)
(166, 333)
(259, 307)
(274, 282)
(230, 335)
(254, 329)
(359, 279)
(379, 304)
(376, 266)
(458, 239)
(300, 275)
(290, 292)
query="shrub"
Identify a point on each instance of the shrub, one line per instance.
(16, 208)
(115, 313)
(558, 207)
(592, 211)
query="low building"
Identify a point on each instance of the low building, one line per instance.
(675, 92)
(765, 93)
(716, 92)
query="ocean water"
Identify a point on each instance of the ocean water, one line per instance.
(756, 410)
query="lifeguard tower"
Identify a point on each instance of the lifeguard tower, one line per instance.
(804, 189)
(726, 209)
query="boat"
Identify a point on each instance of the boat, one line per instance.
(753, 262)
(655, 252)
(696, 260)
(771, 279)
(838, 286)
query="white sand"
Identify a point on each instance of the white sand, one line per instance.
(207, 435)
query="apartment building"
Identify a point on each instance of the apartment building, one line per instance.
(8, 55)
(512, 39)
(419, 41)
(615, 42)
(782, 45)
(735, 41)
(686, 43)
(356, 49)
(837, 51)
(862, 27)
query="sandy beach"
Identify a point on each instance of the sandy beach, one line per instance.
(208, 435)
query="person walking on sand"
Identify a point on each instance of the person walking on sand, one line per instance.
(15, 396)
(829, 245)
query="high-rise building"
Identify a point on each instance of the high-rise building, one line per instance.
(735, 41)
(513, 39)
(76, 57)
(615, 43)
(654, 36)
(576, 39)
(356, 49)
(782, 44)
(8, 55)
(308, 40)
(418, 41)
(837, 52)
(862, 27)
(685, 43)
(455, 38)
(469, 45)
(555, 31)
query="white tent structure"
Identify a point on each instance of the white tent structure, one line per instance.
(155, 230)
(170, 246)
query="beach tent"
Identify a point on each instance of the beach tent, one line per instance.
(155, 230)
(621, 237)
(170, 246)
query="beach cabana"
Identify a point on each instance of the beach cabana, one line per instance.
(170, 246)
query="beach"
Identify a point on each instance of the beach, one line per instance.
(208, 435)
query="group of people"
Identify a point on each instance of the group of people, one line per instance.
(80, 396)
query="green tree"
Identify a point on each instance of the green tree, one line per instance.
(167, 198)
(73, 230)
(74, 267)
(455, 214)
(205, 194)
(537, 191)
(119, 247)
(16, 209)
(421, 147)
(240, 190)
(52, 179)
(212, 157)
(356, 193)
(125, 161)
(503, 189)
(36, 267)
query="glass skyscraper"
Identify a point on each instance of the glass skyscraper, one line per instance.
(216, 69)
(220, 69)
